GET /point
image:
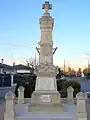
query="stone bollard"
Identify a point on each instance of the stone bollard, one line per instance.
(70, 91)
(9, 107)
(20, 95)
(81, 113)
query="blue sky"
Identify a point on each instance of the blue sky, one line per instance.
(19, 25)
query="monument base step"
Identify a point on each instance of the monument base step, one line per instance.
(46, 116)
(47, 101)
(45, 97)
(51, 108)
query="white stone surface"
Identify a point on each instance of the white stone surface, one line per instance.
(46, 42)
(21, 109)
(20, 95)
(70, 91)
(9, 111)
(45, 98)
(81, 106)
(70, 108)
(46, 83)
(43, 116)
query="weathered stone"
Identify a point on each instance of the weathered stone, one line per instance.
(21, 89)
(46, 83)
(70, 91)
(81, 106)
(20, 95)
(9, 110)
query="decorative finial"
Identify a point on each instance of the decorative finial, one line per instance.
(46, 7)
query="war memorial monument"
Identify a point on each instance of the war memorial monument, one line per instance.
(45, 103)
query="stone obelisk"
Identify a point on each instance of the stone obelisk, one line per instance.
(46, 70)
(46, 88)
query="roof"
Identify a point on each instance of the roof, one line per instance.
(17, 67)
(20, 66)
(5, 66)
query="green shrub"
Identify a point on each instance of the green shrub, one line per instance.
(65, 84)
(60, 84)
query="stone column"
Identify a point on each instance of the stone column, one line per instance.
(81, 107)
(20, 95)
(70, 91)
(46, 42)
(9, 107)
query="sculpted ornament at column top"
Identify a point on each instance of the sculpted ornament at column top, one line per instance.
(46, 8)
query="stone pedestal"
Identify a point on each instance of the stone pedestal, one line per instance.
(46, 101)
(45, 97)
(46, 84)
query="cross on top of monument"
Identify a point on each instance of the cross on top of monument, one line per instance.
(46, 8)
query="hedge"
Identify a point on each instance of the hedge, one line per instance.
(63, 85)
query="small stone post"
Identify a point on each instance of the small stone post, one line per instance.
(9, 107)
(81, 113)
(70, 91)
(20, 95)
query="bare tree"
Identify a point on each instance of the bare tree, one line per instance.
(31, 62)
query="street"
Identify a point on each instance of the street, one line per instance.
(85, 84)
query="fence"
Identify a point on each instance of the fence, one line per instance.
(8, 80)
(5, 80)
